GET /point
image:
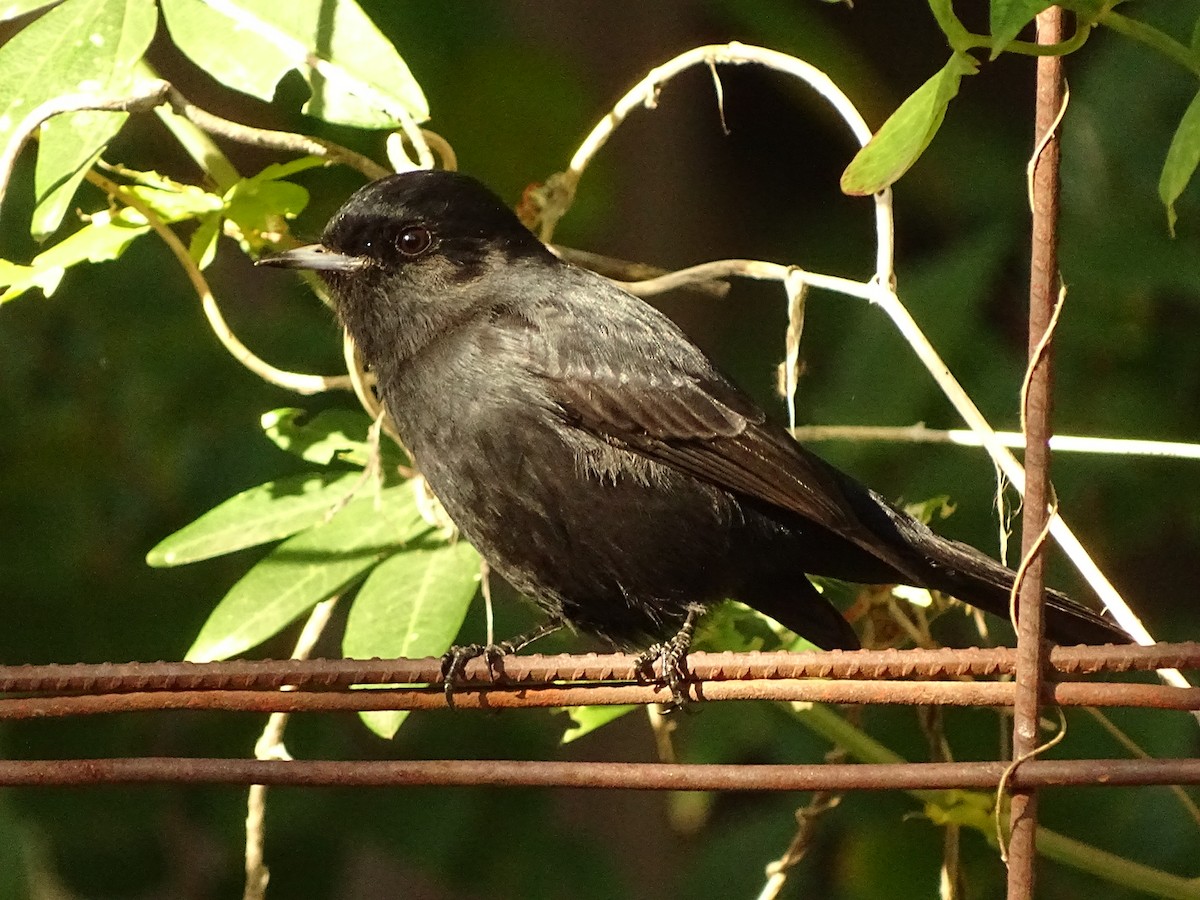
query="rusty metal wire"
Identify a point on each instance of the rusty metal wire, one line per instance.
(613, 775)
(270, 675)
(538, 681)
(1037, 404)
(524, 696)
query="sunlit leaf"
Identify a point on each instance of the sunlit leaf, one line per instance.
(259, 208)
(329, 436)
(18, 279)
(306, 569)
(1008, 17)
(411, 605)
(202, 247)
(355, 74)
(85, 46)
(586, 719)
(179, 202)
(1182, 158)
(266, 513)
(105, 237)
(907, 132)
(276, 171)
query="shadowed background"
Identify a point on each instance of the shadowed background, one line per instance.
(123, 419)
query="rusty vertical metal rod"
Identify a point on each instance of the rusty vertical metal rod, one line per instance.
(1032, 654)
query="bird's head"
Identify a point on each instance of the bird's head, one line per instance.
(413, 254)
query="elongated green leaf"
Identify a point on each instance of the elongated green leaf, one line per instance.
(329, 436)
(178, 202)
(907, 132)
(307, 569)
(202, 247)
(412, 605)
(355, 74)
(84, 46)
(260, 515)
(1182, 158)
(19, 279)
(1008, 17)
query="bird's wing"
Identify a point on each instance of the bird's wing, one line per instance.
(644, 387)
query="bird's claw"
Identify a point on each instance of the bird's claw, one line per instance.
(455, 660)
(672, 655)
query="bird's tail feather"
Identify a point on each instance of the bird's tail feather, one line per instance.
(973, 577)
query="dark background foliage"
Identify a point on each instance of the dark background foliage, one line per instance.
(121, 419)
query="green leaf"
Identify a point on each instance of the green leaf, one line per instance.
(266, 513)
(333, 435)
(84, 46)
(306, 569)
(104, 238)
(355, 74)
(261, 204)
(1182, 158)
(907, 132)
(412, 605)
(937, 507)
(11, 9)
(19, 279)
(736, 627)
(276, 171)
(586, 719)
(203, 246)
(1008, 17)
(178, 201)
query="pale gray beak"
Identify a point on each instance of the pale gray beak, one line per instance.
(315, 256)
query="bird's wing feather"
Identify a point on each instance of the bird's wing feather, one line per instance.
(647, 389)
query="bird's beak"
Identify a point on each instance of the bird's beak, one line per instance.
(315, 256)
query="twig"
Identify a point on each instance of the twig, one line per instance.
(1135, 749)
(156, 93)
(920, 434)
(270, 746)
(806, 827)
(299, 382)
(645, 94)
(633, 276)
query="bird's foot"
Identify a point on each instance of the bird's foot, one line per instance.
(672, 654)
(455, 660)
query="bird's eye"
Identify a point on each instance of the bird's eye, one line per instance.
(414, 240)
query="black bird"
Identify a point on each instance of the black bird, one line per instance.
(592, 453)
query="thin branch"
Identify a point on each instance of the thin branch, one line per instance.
(1151, 37)
(270, 746)
(645, 95)
(1134, 749)
(152, 94)
(635, 276)
(299, 382)
(806, 829)
(920, 434)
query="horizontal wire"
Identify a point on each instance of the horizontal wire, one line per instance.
(270, 675)
(609, 775)
(517, 696)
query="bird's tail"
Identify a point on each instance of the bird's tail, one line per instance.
(974, 577)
